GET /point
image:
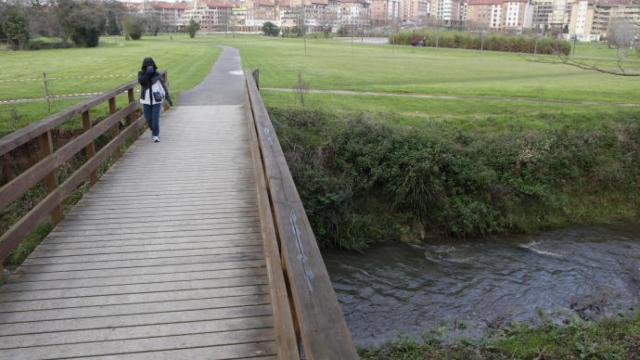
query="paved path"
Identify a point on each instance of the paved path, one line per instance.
(163, 259)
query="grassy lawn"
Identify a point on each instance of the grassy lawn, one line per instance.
(333, 64)
(187, 61)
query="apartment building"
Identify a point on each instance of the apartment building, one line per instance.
(581, 21)
(500, 14)
(607, 11)
(351, 13)
(385, 11)
(414, 10)
(449, 12)
(210, 15)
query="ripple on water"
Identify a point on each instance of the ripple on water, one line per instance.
(400, 289)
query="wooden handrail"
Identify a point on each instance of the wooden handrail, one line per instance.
(44, 169)
(321, 328)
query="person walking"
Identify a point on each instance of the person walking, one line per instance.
(152, 93)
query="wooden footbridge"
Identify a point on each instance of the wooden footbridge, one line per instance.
(197, 247)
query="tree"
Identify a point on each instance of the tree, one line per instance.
(114, 11)
(193, 28)
(153, 24)
(621, 35)
(270, 29)
(82, 22)
(15, 27)
(133, 27)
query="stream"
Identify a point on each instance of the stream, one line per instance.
(463, 289)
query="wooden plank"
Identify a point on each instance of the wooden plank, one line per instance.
(115, 129)
(90, 150)
(78, 226)
(147, 270)
(139, 345)
(131, 289)
(134, 320)
(133, 279)
(322, 327)
(18, 231)
(50, 161)
(249, 351)
(136, 245)
(201, 235)
(142, 298)
(138, 332)
(283, 321)
(9, 194)
(195, 214)
(143, 233)
(143, 255)
(48, 252)
(146, 307)
(83, 266)
(131, 309)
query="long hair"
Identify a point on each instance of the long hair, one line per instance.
(148, 62)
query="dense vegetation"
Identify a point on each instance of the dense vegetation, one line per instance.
(364, 180)
(612, 338)
(482, 41)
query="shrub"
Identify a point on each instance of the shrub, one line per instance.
(133, 27)
(193, 28)
(467, 40)
(363, 181)
(270, 29)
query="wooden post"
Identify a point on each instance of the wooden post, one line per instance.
(46, 90)
(131, 98)
(90, 150)
(45, 143)
(116, 128)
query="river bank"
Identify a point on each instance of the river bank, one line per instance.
(382, 179)
(563, 294)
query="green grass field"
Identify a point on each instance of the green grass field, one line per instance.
(71, 71)
(332, 64)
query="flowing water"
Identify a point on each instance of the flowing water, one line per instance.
(465, 288)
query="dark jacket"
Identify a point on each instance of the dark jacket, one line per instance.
(147, 77)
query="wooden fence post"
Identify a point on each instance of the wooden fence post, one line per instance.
(116, 128)
(45, 144)
(90, 150)
(46, 90)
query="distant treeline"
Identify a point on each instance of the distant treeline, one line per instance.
(66, 23)
(482, 41)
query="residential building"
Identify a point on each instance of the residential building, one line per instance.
(210, 16)
(581, 21)
(385, 11)
(542, 10)
(260, 11)
(500, 14)
(413, 10)
(605, 12)
(448, 11)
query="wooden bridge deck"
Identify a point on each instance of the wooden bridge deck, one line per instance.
(162, 259)
(197, 247)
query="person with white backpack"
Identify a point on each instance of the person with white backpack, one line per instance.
(152, 93)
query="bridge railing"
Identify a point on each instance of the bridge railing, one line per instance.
(302, 294)
(48, 159)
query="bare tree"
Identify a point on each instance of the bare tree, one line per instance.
(621, 36)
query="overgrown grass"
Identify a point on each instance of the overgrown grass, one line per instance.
(364, 180)
(612, 338)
